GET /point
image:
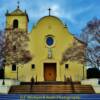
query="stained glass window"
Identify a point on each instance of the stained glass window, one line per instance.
(49, 41)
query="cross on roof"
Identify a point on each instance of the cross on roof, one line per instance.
(18, 4)
(49, 11)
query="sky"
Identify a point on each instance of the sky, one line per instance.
(74, 13)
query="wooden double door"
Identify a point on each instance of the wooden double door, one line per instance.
(50, 71)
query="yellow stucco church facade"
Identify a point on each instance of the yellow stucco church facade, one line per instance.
(48, 40)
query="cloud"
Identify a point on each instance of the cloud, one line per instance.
(76, 14)
(71, 15)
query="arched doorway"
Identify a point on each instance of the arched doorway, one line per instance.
(50, 71)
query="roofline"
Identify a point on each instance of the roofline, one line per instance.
(49, 16)
(18, 15)
(79, 40)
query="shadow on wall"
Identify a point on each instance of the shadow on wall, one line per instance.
(93, 73)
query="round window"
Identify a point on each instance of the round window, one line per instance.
(49, 41)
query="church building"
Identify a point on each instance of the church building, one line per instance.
(48, 40)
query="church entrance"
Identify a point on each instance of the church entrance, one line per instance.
(50, 71)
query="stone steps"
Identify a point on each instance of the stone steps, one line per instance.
(54, 88)
(49, 83)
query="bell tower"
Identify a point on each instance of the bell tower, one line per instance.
(17, 19)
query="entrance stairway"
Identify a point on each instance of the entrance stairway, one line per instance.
(51, 87)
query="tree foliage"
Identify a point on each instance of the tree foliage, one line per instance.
(93, 73)
(14, 47)
(74, 53)
(89, 50)
(1, 47)
(91, 36)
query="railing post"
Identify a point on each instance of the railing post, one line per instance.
(72, 85)
(32, 82)
(83, 72)
(17, 73)
(3, 83)
(36, 78)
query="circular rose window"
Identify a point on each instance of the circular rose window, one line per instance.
(49, 41)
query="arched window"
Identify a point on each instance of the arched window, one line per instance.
(15, 23)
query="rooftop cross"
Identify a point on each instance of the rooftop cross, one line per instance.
(49, 11)
(18, 4)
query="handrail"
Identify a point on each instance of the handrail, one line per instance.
(72, 85)
(36, 78)
(65, 79)
(70, 81)
(32, 83)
